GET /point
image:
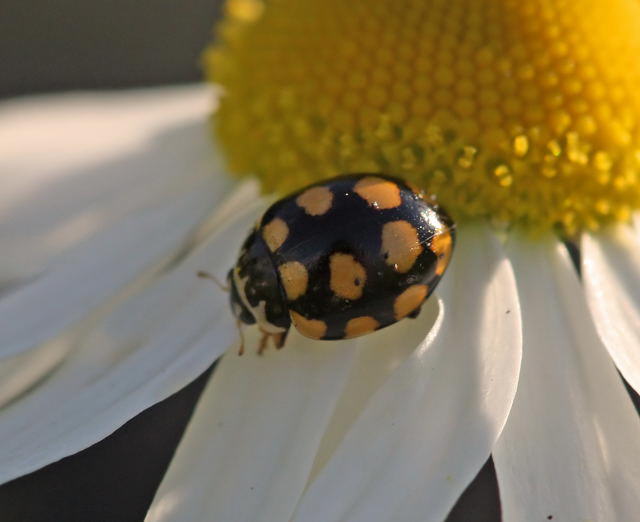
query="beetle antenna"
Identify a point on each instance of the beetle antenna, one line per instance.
(206, 275)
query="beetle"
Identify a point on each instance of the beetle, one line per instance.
(341, 258)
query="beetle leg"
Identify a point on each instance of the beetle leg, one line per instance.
(239, 326)
(280, 338)
(263, 342)
(415, 313)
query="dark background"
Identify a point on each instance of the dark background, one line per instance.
(76, 44)
(96, 44)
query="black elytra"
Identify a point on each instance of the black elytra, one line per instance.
(341, 258)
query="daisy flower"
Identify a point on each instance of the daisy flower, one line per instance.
(523, 119)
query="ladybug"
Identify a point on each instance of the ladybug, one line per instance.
(341, 258)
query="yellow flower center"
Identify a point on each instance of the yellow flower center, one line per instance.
(519, 112)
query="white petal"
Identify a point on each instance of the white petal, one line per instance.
(66, 160)
(247, 453)
(150, 346)
(425, 434)
(571, 447)
(611, 276)
(20, 372)
(379, 356)
(128, 206)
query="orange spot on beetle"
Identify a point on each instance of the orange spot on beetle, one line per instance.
(313, 328)
(347, 276)
(400, 245)
(294, 277)
(315, 201)
(275, 233)
(409, 300)
(442, 246)
(378, 192)
(360, 326)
